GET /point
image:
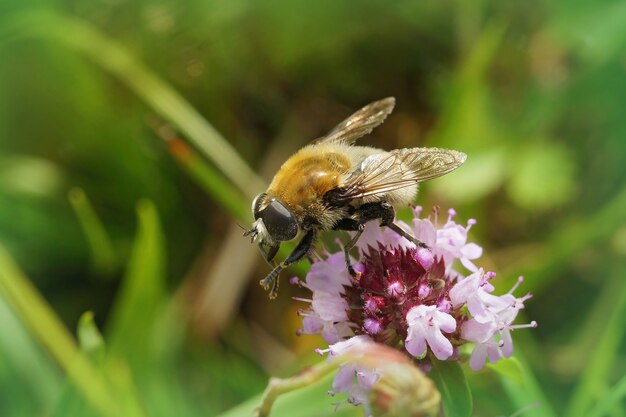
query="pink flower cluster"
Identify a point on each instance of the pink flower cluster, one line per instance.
(410, 298)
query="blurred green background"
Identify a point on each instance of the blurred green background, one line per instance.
(127, 129)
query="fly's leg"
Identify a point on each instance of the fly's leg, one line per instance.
(269, 254)
(382, 211)
(270, 282)
(355, 226)
(387, 218)
(348, 247)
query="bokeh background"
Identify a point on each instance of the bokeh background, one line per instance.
(133, 135)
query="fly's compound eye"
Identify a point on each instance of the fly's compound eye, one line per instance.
(256, 205)
(279, 221)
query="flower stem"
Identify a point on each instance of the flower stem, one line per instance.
(279, 386)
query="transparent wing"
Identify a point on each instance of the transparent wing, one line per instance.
(361, 123)
(384, 172)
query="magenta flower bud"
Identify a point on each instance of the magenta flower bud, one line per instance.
(424, 291)
(395, 289)
(372, 326)
(444, 305)
(424, 257)
(373, 304)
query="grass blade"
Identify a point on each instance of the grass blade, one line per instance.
(142, 293)
(601, 362)
(101, 248)
(616, 393)
(209, 179)
(48, 329)
(164, 100)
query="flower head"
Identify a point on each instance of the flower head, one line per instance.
(410, 298)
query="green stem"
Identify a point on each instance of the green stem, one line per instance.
(164, 100)
(277, 386)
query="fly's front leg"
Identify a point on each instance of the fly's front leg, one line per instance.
(270, 282)
(269, 254)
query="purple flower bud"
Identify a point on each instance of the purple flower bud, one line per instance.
(424, 257)
(395, 289)
(372, 326)
(424, 291)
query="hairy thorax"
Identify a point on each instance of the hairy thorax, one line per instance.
(306, 177)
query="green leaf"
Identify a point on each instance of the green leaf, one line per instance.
(510, 368)
(602, 360)
(23, 360)
(90, 339)
(610, 399)
(455, 392)
(531, 393)
(142, 293)
(46, 326)
(102, 253)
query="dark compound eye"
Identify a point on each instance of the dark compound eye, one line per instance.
(256, 205)
(280, 223)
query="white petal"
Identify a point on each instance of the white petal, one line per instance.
(472, 251)
(475, 331)
(507, 343)
(415, 344)
(478, 358)
(445, 321)
(439, 344)
(329, 307)
(312, 325)
(465, 288)
(493, 352)
(425, 231)
(344, 378)
(468, 264)
(367, 378)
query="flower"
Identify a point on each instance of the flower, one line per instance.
(426, 325)
(412, 299)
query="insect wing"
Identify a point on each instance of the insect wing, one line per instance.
(360, 123)
(388, 171)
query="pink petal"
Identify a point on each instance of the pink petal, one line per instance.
(475, 331)
(312, 325)
(344, 378)
(493, 352)
(329, 307)
(341, 347)
(465, 288)
(439, 344)
(425, 231)
(329, 275)
(468, 264)
(507, 343)
(367, 378)
(478, 358)
(445, 321)
(415, 344)
(472, 251)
